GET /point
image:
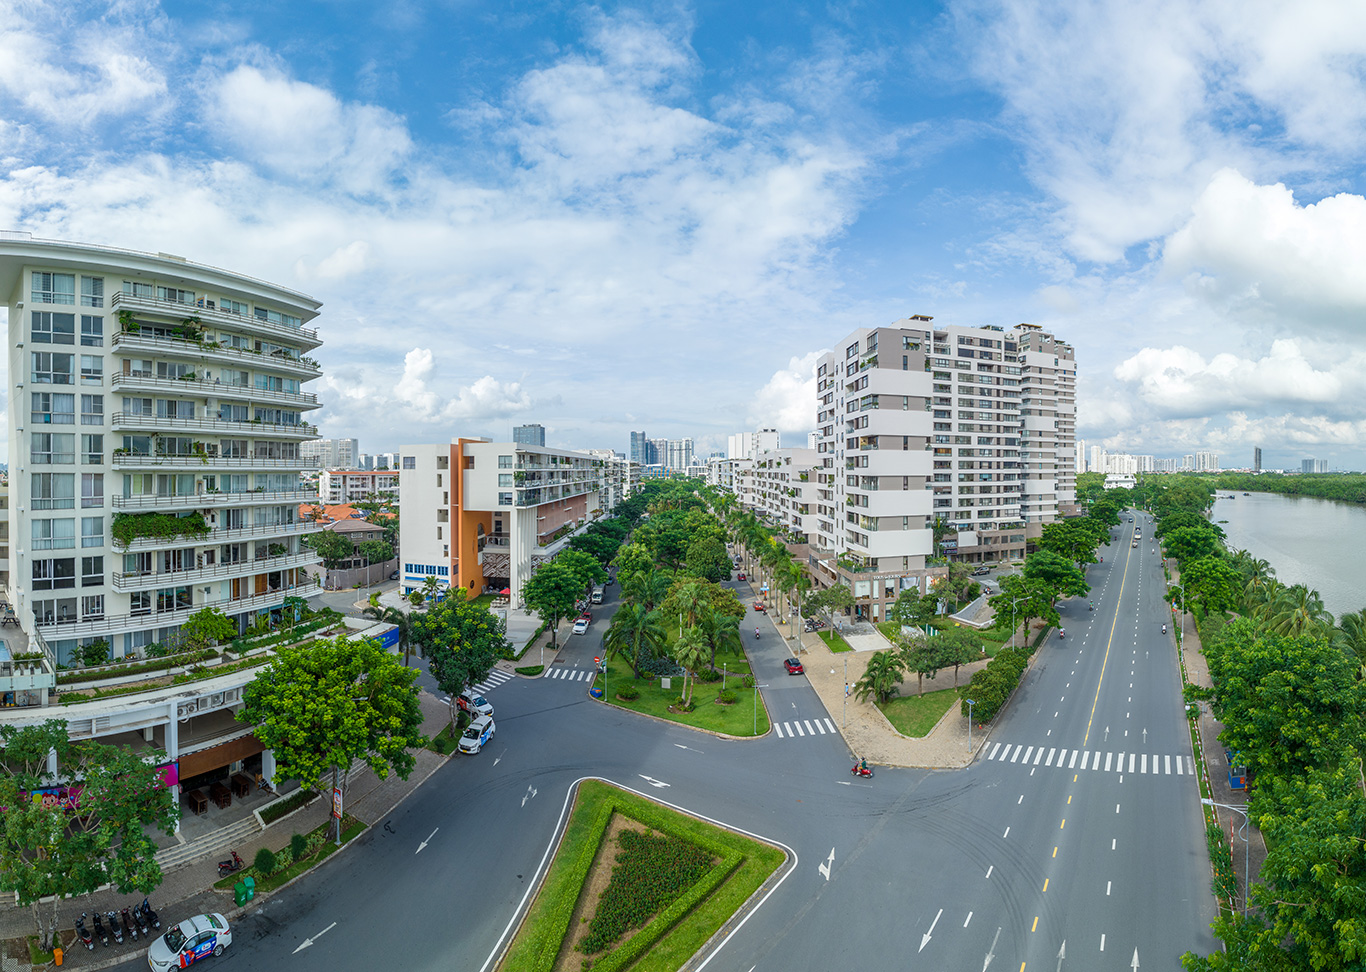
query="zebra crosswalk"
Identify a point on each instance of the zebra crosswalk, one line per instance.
(1053, 757)
(571, 674)
(800, 728)
(495, 679)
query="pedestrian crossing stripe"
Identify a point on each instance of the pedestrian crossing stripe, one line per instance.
(570, 674)
(812, 727)
(495, 679)
(1160, 764)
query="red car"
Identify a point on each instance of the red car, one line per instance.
(742, 577)
(793, 666)
(758, 606)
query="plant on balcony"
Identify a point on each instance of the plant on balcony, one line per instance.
(95, 653)
(276, 550)
(206, 627)
(127, 324)
(128, 527)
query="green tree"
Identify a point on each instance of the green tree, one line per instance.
(552, 593)
(633, 559)
(836, 597)
(721, 630)
(1212, 582)
(332, 548)
(95, 652)
(882, 678)
(401, 620)
(959, 646)
(707, 558)
(1295, 610)
(690, 651)
(1191, 543)
(647, 587)
(913, 611)
(207, 626)
(325, 705)
(635, 632)
(602, 547)
(922, 656)
(1061, 575)
(1023, 599)
(1075, 539)
(462, 641)
(583, 566)
(376, 551)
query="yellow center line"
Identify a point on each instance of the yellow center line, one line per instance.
(1045, 884)
(1113, 625)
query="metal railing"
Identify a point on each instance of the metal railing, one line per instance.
(176, 309)
(202, 386)
(125, 581)
(201, 500)
(134, 420)
(210, 463)
(229, 535)
(181, 347)
(71, 627)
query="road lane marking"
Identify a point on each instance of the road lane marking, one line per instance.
(1131, 761)
(1045, 884)
(1166, 765)
(993, 751)
(1018, 749)
(967, 919)
(1063, 824)
(1073, 763)
(991, 867)
(1034, 929)
(1102, 942)
(1106, 659)
(1144, 768)
(1006, 834)
(1055, 852)
(798, 726)
(1107, 761)
(1020, 801)
(1026, 755)
(809, 730)
(1107, 889)
(1049, 761)
(831, 725)
(778, 730)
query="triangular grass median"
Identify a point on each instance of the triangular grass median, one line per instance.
(702, 875)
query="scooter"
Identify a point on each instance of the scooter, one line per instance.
(231, 866)
(861, 769)
(146, 909)
(130, 927)
(1090, 606)
(1164, 629)
(87, 939)
(114, 928)
(99, 930)
(142, 923)
(756, 634)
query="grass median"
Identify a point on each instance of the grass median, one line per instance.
(738, 718)
(834, 640)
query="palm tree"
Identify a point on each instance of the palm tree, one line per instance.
(882, 677)
(399, 619)
(722, 632)
(647, 587)
(636, 632)
(1296, 610)
(1350, 635)
(690, 651)
(693, 599)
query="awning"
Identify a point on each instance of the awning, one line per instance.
(220, 755)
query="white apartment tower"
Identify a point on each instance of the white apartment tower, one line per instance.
(156, 419)
(918, 423)
(333, 453)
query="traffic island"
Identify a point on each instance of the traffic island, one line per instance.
(739, 714)
(635, 884)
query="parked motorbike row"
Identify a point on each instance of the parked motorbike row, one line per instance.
(815, 624)
(133, 922)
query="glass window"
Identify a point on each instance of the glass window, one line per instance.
(175, 295)
(52, 369)
(54, 288)
(505, 479)
(92, 292)
(140, 603)
(54, 534)
(92, 331)
(92, 448)
(53, 491)
(92, 571)
(504, 462)
(52, 409)
(53, 449)
(409, 462)
(49, 328)
(234, 307)
(504, 499)
(135, 288)
(92, 607)
(92, 368)
(92, 410)
(92, 531)
(51, 575)
(137, 406)
(92, 490)
(275, 317)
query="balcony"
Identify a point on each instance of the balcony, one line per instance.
(55, 629)
(135, 422)
(199, 501)
(151, 579)
(304, 337)
(219, 536)
(130, 344)
(208, 463)
(201, 388)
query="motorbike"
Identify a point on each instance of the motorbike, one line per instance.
(146, 909)
(143, 925)
(1164, 629)
(1090, 606)
(231, 866)
(114, 928)
(130, 927)
(99, 930)
(1062, 633)
(861, 770)
(756, 634)
(87, 939)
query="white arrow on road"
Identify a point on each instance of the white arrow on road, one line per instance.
(529, 794)
(426, 842)
(651, 780)
(689, 749)
(1145, 741)
(991, 952)
(1107, 733)
(926, 940)
(825, 866)
(1062, 954)
(1134, 963)
(309, 941)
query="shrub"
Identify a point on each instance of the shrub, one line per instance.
(651, 871)
(531, 671)
(128, 527)
(281, 807)
(628, 692)
(298, 846)
(709, 675)
(747, 681)
(726, 696)
(265, 862)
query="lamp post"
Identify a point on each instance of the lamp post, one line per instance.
(971, 703)
(1242, 832)
(1013, 602)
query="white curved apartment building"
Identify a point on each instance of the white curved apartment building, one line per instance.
(145, 384)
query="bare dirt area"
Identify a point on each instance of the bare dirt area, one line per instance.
(599, 874)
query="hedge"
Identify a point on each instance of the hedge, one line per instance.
(990, 687)
(128, 527)
(154, 665)
(279, 808)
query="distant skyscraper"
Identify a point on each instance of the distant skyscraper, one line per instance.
(1081, 455)
(1314, 466)
(1257, 459)
(1206, 462)
(533, 434)
(640, 448)
(332, 453)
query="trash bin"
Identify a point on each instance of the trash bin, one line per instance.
(596, 692)
(250, 884)
(57, 955)
(239, 894)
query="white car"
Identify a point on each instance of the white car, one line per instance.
(480, 731)
(581, 626)
(190, 941)
(474, 703)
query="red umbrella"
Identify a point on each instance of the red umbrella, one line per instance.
(507, 590)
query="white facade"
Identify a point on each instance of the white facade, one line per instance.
(781, 486)
(144, 384)
(333, 453)
(347, 485)
(724, 473)
(748, 445)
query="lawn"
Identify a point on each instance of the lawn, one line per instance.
(916, 715)
(834, 640)
(674, 934)
(737, 719)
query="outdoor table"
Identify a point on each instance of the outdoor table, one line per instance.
(221, 794)
(198, 801)
(241, 785)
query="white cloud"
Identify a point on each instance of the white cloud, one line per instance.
(788, 401)
(483, 401)
(342, 262)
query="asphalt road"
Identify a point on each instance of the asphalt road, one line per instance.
(1007, 864)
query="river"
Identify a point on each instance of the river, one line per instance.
(1308, 541)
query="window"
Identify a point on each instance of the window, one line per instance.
(92, 608)
(54, 534)
(170, 408)
(504, 499)
(175, 296)
(234, 307)
(851, 351)
(504, 462)
(53, 491)
(92, 531)
(92, 571)
(172, 599)
(275, 317)
(92, 331)
(92, 292)
(92, 409)
(231, 376)
(228, 412)
(140, 603)
(134, 288)
(92, 490)
(54, 288)
(92, 368)
(51, 368)
(49, 575)
(92, 447)
(410, 462)
(504, 479)
(173, 369)
(49, 328)
(53, 449)
(52, 409)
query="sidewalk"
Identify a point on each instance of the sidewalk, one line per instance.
(188, 888)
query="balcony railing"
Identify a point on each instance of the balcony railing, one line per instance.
(152, 501)
(182, 348)
(208, 463)
(207, 423)
(221, 535)
(149, 579)
(200, 387)
(179, 312)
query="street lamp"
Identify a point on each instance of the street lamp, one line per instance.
(1013, 602)
(1242, 832)
(971, 703)
(844, 719)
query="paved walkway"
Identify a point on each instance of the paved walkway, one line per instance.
(188, 889)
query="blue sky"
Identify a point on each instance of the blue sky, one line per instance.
(613, 217)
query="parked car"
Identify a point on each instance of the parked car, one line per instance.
(581, 626)
(474, 703)
(793, 666)
(980, 571)
(393, 575)
(477, 735)
(190, 941)
(758, 606)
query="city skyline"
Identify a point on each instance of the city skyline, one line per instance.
(496, 209)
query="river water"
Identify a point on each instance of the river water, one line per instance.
(1316, 542)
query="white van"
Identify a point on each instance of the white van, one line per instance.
(597, 595)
